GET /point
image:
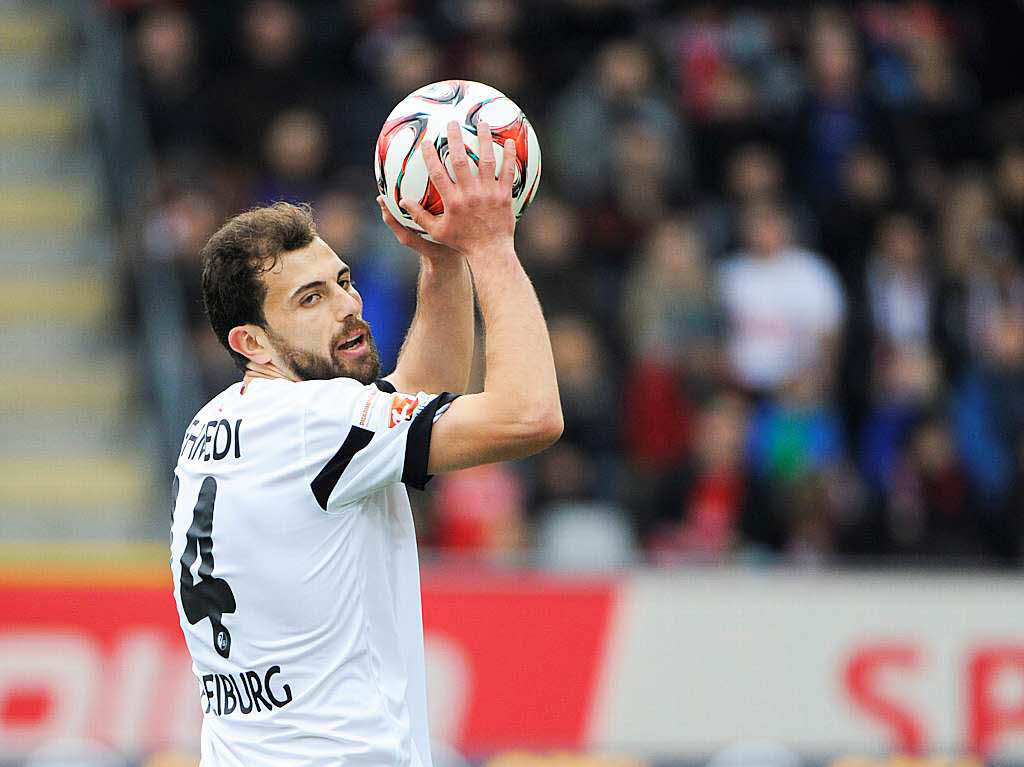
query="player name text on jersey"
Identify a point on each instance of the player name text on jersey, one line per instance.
(212, 440)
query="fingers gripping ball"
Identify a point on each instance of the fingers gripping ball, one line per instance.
(423, 115)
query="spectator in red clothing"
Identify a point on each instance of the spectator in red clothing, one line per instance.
(697, 510)
(479, 510)
(671, 319)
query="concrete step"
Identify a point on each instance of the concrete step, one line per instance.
(52, 249)
(37, 206)
(38, 74)
(107, 524)
(82, 298)
(65, 496)
(69, 481)
(29, 34)
(38, 117)
(38, 160)
(99, 387)
(43, 433)
(49, 346)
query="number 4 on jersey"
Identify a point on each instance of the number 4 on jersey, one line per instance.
(210, 597)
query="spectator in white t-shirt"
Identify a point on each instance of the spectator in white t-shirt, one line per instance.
(785, 305)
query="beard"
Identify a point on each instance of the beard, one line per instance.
(310, 366)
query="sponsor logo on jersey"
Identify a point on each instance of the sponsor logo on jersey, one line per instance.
(402, 409)
(364, 415)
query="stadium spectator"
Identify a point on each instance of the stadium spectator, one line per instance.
(587, 385)
(925, 502)
(583, 466)
(904, 389)
(167, 50)
(687, 150)
(479, 510)
(696, 511)
(835, 116)
(1009, 174)
(295, 152)
(587, 123)
(866, 193)
(753, 173)
(269, 74)
(785, 306)
(670, 307)
(671, 318)
(392, 58)
(900, 293)
(549, 241)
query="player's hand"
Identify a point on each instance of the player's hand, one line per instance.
(432, 251)
(477, 208)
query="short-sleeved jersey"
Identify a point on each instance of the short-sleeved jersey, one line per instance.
(296, 575)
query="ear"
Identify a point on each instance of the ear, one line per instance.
(249, 341)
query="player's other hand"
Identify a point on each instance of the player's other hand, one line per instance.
(477, 208)
(432, 251)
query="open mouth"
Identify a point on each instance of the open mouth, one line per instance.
(351, 344)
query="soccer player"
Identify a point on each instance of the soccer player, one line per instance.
(292, 542)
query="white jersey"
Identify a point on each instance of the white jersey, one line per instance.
(296, 574)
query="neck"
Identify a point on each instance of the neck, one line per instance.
(254, 370)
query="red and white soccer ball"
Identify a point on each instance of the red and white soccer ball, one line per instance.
(424, 115)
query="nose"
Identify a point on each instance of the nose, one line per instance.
(346, 304)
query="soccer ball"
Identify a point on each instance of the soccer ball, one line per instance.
(424, 115)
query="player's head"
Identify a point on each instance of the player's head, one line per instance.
(276, 293)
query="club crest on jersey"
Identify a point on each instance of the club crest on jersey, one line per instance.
(402, 409)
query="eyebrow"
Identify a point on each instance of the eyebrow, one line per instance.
(318, 283)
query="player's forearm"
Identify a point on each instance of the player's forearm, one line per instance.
(438, 351)
(520, 368)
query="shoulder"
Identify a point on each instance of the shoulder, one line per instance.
(736, 264)
(815, 277)
(273, 400)
(334, 387)
(809, 262)
(216, 405)
(737, 271)
(342, 399)
(281, 393)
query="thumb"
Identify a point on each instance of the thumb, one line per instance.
(423, 219)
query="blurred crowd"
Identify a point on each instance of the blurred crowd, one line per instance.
(779, 247)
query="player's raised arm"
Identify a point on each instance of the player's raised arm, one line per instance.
(438, 350)
(518, 413)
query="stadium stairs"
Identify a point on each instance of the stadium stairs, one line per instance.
(72, 462)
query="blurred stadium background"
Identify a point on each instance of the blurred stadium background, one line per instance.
(781, 250)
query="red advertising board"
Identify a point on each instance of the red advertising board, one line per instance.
(534, 648)
(680, 663)
(108, 662)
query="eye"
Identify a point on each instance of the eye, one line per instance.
(310, 299)
(347, 283)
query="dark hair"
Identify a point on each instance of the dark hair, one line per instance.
(238, 253)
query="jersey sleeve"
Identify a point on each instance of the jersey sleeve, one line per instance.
(359, 439)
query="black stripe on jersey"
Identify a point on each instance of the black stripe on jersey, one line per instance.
(385, 386)
(417, 442)
(324, 482)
